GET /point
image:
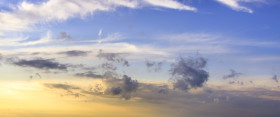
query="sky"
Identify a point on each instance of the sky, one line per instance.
(140, 58)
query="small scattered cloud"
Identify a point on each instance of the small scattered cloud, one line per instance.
(236, 82)
(113, 57)
(64, 36)
(275, 78)
(100, 33)
(154, 66)
(232, 74)
(75, 53)
(108, 66)
(89, 74)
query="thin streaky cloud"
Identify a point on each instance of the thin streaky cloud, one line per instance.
(235, 4)
(28, 14)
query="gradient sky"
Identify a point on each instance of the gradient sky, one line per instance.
(155, 58)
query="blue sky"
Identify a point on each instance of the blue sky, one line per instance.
(241, 34)
(233, 44)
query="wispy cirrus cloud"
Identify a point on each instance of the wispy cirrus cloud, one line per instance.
(24, 40)
(26, 14)
(236, 4)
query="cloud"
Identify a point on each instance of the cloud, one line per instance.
(67, 87)
(39, 63)
(108, 67)
(113, 57)
(24, 40)
(233, 74)
(60, 86)
(74, 53)
(237, 82)
(64, 36)
(25, 14)
(189, 73)
(89, 74)
(235, 4)
(124, 87)
(156, 67)
(100, 33)
(253, 102)
(169, 4)
(275, 78)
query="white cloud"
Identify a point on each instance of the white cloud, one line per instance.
(23, 41)
(43, 40)
(26, 14)
(100, 33)
(235, 4)
(170, 4)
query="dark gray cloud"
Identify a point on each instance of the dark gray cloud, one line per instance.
(232, 74)
(89, 74)
(113, 57)
(163, 89)
(275, 78)
(156, 67)
(74, 53)
(116, 90)
(189, 73)
(64, 36)
(124, 87)
(39, 63)
(108, 66)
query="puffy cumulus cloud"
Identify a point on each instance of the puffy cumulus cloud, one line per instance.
(39, 63)
(26, 14)
(235, 4)
(232, 74)
(113, 57)
(189, 73)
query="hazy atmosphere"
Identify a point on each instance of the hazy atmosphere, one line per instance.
(139, 58)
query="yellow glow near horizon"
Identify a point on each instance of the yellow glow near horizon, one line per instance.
(30, 99)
